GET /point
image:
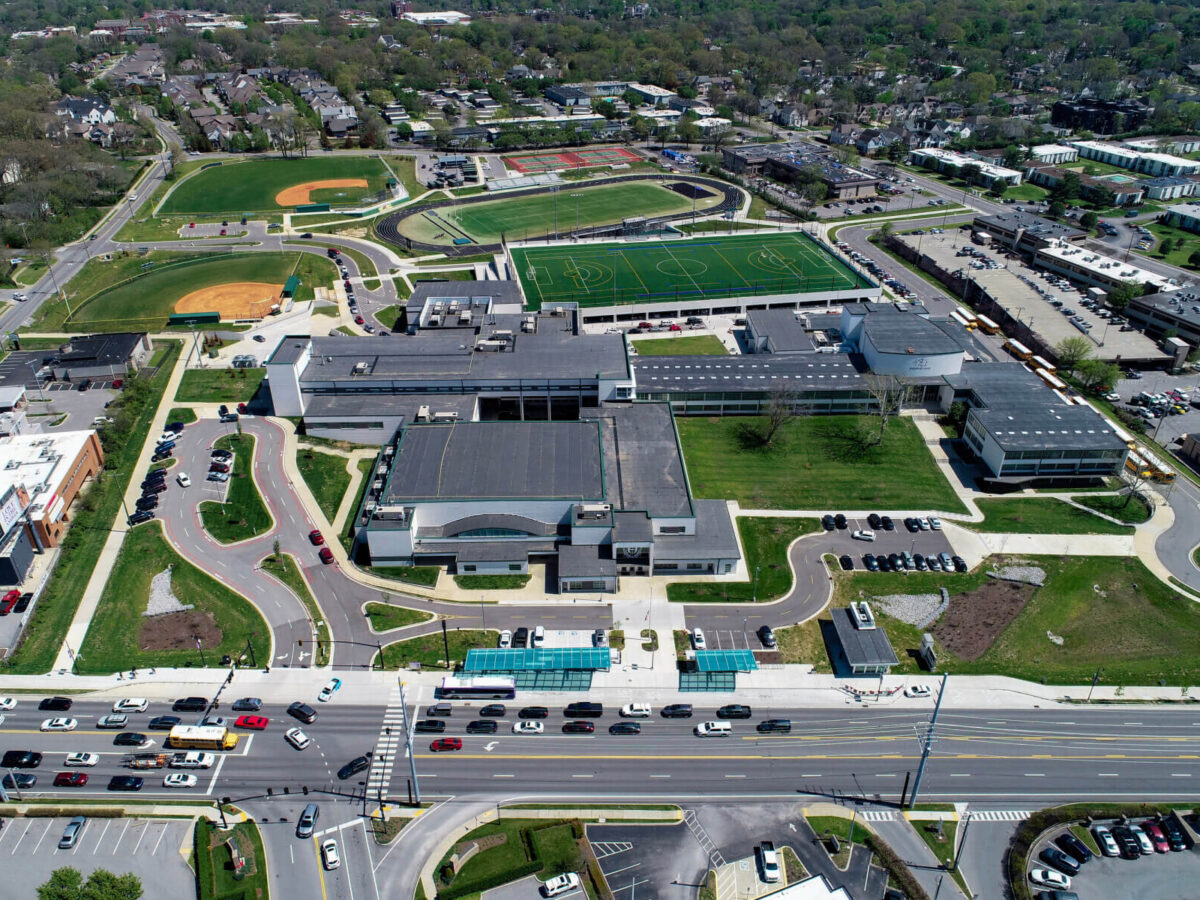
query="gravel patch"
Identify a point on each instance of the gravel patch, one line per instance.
(162, 599)
(915, 609)
(1023, 574)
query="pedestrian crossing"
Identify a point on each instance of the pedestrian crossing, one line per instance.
(1000, 815)
(878, 815)
(605, 849)
(389, 744)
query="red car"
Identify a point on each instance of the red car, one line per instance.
(254, 723)
(675, 326)
(326, 555)
(9, 601)
(243, 409)
(359, 320)
(1157, 836)
(316, 537)
(70, 779)
(446, 744)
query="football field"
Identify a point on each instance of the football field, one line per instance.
(661, 271)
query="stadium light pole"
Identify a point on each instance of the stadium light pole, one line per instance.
(555, 192)
(576, 195)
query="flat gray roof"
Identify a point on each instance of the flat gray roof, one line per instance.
(357, 406)
(583, 561)
(893, 331)
(497, 460)
(642, 460)
(862, 648)
(714, 537)
(781, 326)
(1032, 225)
(757, 372)
(1182, 305)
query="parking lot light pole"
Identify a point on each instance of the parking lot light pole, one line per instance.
(756, 568)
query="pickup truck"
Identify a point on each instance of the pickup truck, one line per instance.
(769, 862)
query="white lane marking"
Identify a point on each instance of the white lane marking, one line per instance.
(497, 775)
(42, 837)
(100, 840)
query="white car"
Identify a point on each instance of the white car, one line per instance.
(82, 759)
(180, 780)
(20, 297)
(130, 704)
(863, 534)
(7, 703)
(698, 640)
(1051, 879)
(528, 726)
(1143, 840)
(193, 760)
(935, 523)
(113, 720)
(331, 688)
(297, 738)
(1105, 840)
(329, 854)
(561, 884)
(917, 690)
(183, 479)
(168, 436)
(60, 724)
(505, 640)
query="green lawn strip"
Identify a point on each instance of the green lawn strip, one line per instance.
(364, 466)
(243, 515)
(454, 275)
(184, 414)
(1041, 515)
(252, 185)
(1086, 836)
(803, 644)
(1176, 257)
(847, 832)
(345, 329)
(214, 866)
(133, 411)
(219, 385)
(547, 847)
(693, 345)
(326, 476)
(943, 845)
(365, 266)
(284, 567)
(425, 576)
(1109, 611)
(793, 869)
(1127, 508)
(765, 541)
(1026, 193)
(112, 644)
(329, 309)
(815, 462)
(388, 316)
(458, 260)
(385, 616)
(722, 226)
(491, 582)
(430, 651)
(27, 274)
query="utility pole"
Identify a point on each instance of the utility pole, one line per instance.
(412, 757)
(962, 841)
(927, 739)
(446, 643)
(1095, 679)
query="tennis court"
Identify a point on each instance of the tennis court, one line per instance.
(535, 163)
(657, 271)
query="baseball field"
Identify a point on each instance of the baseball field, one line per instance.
(237, 286)
(269, 185)
(705, 266)
(533, 215)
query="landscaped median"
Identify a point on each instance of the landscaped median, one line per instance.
(326, 476)
(1049, 515)
(430, 650)
(283, 566)
(243, 515)
(386, 617)
(766, 542)
(217, 875)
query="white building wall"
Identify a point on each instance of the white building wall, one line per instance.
(910, 364)
(285, 385)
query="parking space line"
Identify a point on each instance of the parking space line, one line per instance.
(100, 839)
(145, 826)
(120, 837)
(28, 825)
(158, 843)
(45, 832)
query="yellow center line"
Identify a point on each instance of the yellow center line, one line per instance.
(599, 757)
(320, 868)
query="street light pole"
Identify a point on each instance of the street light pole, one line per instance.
(927, 743)
(756, 568)
(200, 647)
(412, 757)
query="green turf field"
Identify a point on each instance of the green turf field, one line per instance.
(521, 217)
(705, 266)
(147, 300)
(251, 186)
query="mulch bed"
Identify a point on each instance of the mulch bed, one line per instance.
(179, 630)
(975, 619)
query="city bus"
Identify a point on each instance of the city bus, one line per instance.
(1040, 363)
(493, 687)
(986, 325)
(201, 737)
(966, 314)
(1019, 350)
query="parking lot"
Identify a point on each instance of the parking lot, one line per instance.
(659, 861)
(927, 543)
(1165, 430)
(149, 848)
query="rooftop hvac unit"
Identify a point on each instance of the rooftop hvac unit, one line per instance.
(445, 416)
(423, 413)
(491, 346)
(435, 320)
(594, 510)
(377, 485)
(864, 619)
(12, 464)
(558, 311)
(383, 469)
(464, 317)
(361, 368)
(388, 451)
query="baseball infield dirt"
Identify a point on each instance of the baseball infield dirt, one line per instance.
(235, 300)
(297, 194)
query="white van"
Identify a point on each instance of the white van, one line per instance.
(636, 711)
(560, 884)
(539, 636)
(713, 729)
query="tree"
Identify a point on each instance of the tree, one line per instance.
(1096, 374)
(1194, 259)
(885, 229)
(781, 407)
(1088, 220)
(1013, 156)
(888, 392)
(1056, 209)
(64, 884)
(1120, 296)
(970, 172)
(68, 884)
(999, 188)
(1072, 351)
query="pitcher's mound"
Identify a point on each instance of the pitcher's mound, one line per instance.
(235, 300)
(297, 194)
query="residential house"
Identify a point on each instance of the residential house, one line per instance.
(1096, 190)
(844, 134)
(88, 110)
(873, 140)
(144, 67)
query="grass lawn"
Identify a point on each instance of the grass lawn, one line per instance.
(693, 345)
(243, 515)
(426, 576)
(385, 617)
(28, 273)
(520, 217)
(326, 476)
(1026, 193)
(388, 315)
(943, 846)
(1041, 515)
(1191, 243)
(803, 644)
(510, 855)
(93, 516)
(251, 186)
(430, 651)
(184, 414)
(285, 568)
(365, 266)
(214, 867)
(112, 644)
(557, 849)
(1109, 611)
(816, 462)
(219, 385)
(491, 582)
(1128, 509)
(364, 467)
(766, 541)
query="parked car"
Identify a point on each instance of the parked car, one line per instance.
(1105, 840)
(1074, 847)
(767, 636)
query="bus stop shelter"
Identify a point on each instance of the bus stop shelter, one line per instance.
(542, 668)
(715, 670)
